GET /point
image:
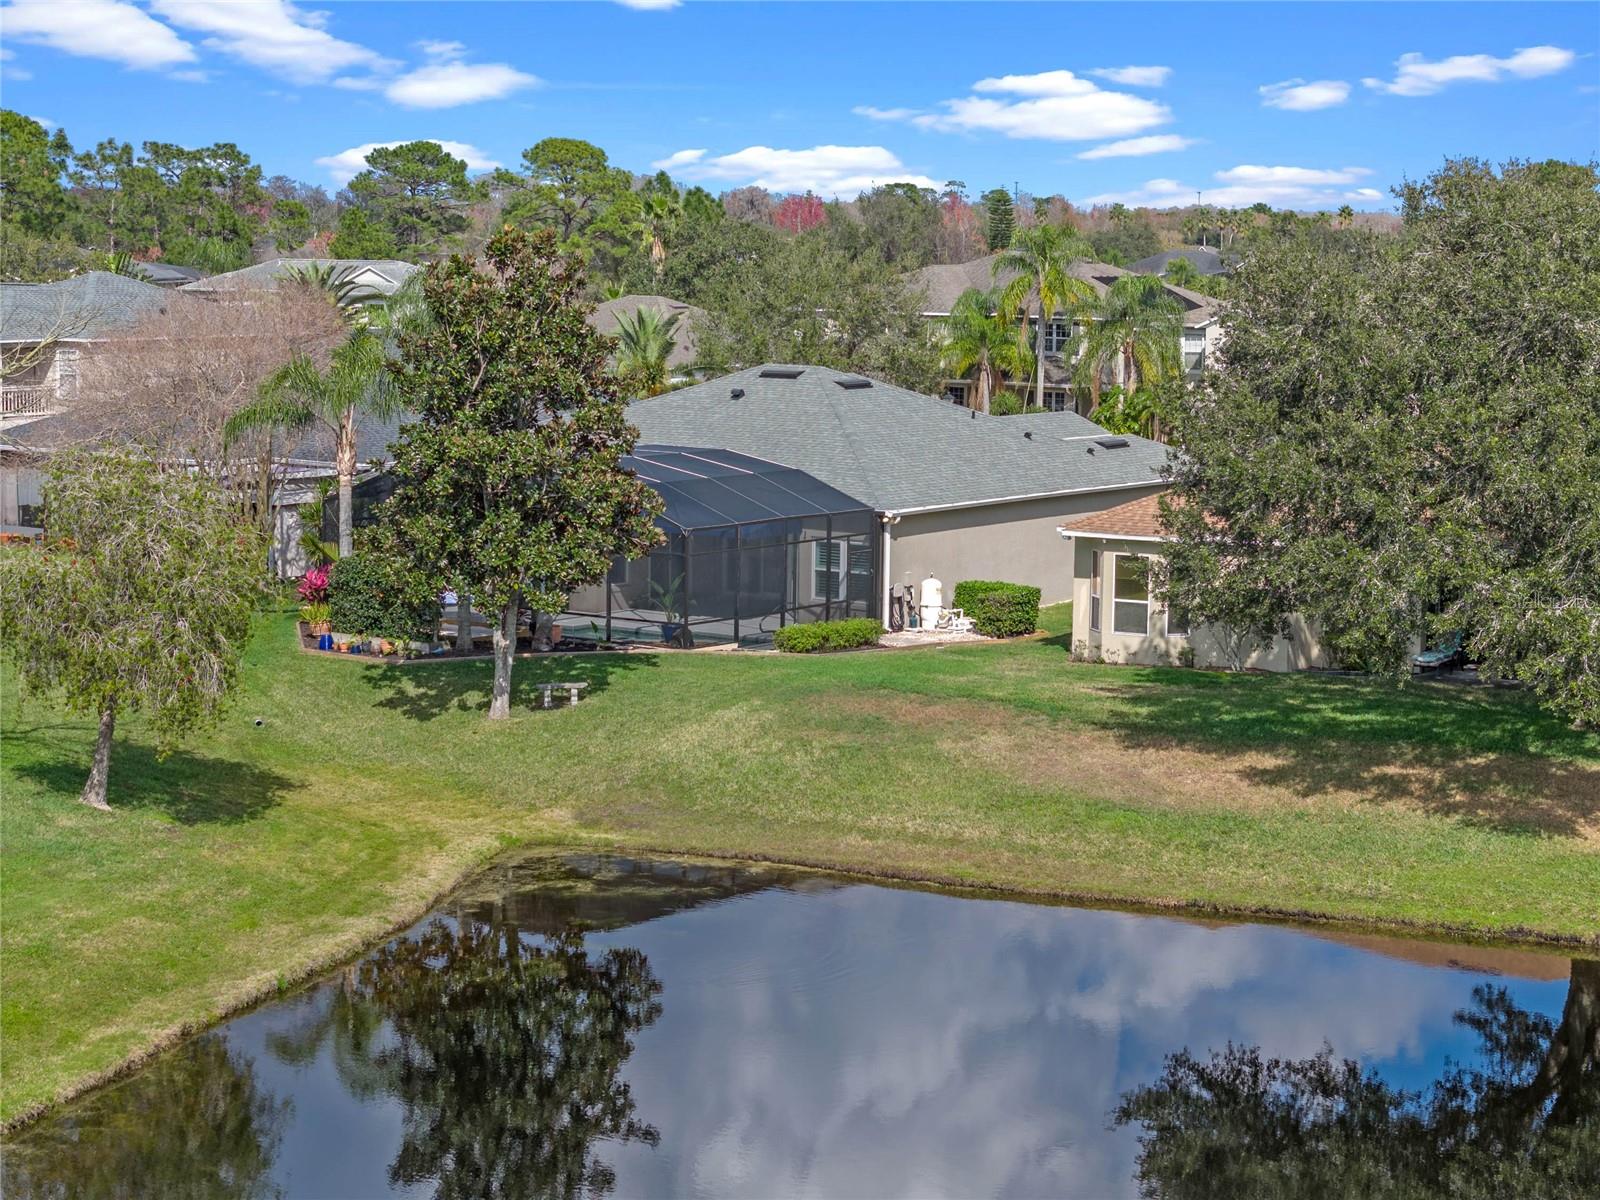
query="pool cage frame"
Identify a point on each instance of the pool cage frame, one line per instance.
(751, 546)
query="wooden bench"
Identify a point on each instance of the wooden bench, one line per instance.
(574, 690)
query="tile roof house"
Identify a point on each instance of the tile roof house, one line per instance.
(961, 495)
(1117, 617)
(942, 284)
(608, 314)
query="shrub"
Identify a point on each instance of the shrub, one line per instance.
(998, 609)
(364, 597)
(828, 635)
(314, 587)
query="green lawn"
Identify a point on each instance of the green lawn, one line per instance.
(262, 853)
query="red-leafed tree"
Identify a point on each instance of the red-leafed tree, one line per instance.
(800, 213)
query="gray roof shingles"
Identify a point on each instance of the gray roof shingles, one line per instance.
(896, 450)
(93, 305)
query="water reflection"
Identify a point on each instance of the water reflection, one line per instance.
(592, 1024)
(194, 1124)
(1524, 1120)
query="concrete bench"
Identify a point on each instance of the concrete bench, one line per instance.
(574, 690)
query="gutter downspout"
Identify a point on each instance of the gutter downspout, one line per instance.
(889, 521)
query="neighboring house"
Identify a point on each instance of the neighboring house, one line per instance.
(381, 275)
(1115, 617)
(1204, 259)
(47, 331)
(958, 494)
(608, 314)
(942, 284)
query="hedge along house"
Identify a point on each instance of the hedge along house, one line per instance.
(751, 546)
(957, 494)
(1115, 616)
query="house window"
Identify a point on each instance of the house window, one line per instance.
(1055, 399)
(1094, 590)
(827, 583)
(1130, 592)
(1177, 622)
(1194, 360)
(1057, 333)
(957, 393)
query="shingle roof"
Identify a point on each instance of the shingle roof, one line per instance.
(607, 314)
(386, 274)
(1204, 259)
(942, 284)
(1136, 519)
(895, 449)
(93, 305)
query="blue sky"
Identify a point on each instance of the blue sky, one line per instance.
(1304, 105)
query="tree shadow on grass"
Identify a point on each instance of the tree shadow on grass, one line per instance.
(1491, 759)
(424, 691)
(192, 789)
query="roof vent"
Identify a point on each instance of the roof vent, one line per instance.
(1111, 443)
(782, 372)
(853, 383)
(736, 394)
(1028, 433)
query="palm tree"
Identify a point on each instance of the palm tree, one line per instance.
(1347, 216)
(978, 338)
(645, 342)
(1136, 330)
(1042, 257)
(349, 295)
(663, 213)
(299, 394)
(1183, 273)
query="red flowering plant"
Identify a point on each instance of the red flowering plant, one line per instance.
(314, 587)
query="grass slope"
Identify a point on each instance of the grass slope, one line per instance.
(261, 853)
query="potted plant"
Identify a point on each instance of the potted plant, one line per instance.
(315, 615)
(670, 600)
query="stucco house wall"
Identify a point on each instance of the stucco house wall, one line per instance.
(1211, 646)
(1017, 542)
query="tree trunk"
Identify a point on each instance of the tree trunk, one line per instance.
(505, 645)
(463, 623)
(94, 788)
(345, 464)
(1038, 356)
(984, 388)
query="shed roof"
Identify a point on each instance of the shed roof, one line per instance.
(895, 449)
(93, 305)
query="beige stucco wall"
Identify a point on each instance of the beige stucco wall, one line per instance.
(1015, 542)
(1297, 652)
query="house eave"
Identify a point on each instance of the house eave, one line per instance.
(932, 508)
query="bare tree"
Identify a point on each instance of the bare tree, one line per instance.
(171, 383)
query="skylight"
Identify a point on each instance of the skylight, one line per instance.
(782, 372)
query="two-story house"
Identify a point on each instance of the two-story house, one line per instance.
(942, 284)
(47, 332)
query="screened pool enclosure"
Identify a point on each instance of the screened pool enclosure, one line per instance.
(750, 546)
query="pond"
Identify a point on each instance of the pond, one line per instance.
(576, 1025)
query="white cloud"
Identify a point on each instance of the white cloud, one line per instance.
(1056, 105)
(883, 114)
(1297, 95)
(1418, 76)
(1309, 188)
(107, 29)
(1134, 76)
(650, 5)
(827, 170)
(1155, 143)
(44, 123)
(271, 34)
(447, 84)
(680, 158)
(438, 49)
(347, 164)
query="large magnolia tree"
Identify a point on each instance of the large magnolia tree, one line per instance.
(1405, 435)
(139, 597)
(509, 485)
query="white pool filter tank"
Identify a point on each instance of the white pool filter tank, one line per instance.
(930, 601)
